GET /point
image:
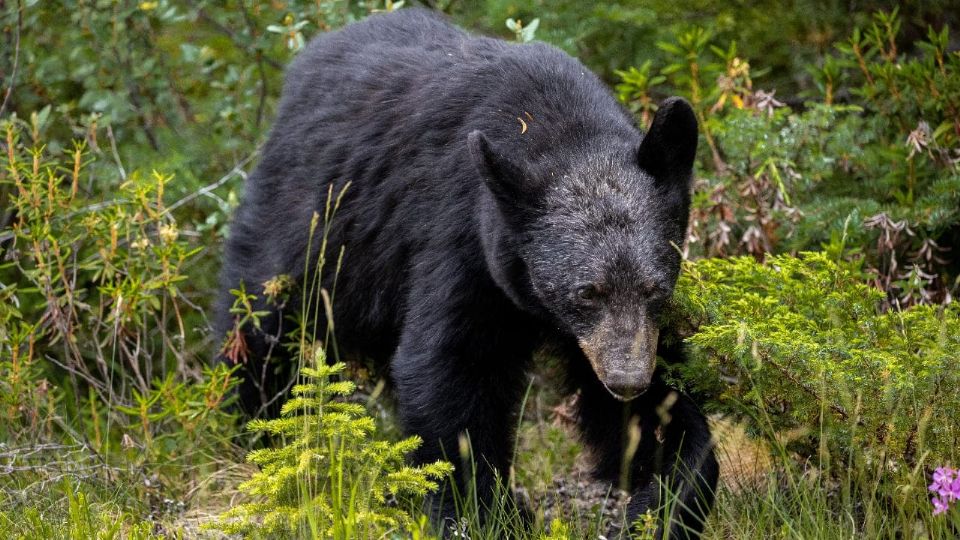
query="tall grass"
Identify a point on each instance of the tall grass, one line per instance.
(800, 498)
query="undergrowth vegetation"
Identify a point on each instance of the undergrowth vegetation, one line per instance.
(871, 167)
(817, 303)
(858, 402)
(98, 383)
(331, 479)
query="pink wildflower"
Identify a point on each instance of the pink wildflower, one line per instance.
(945, 487)
(939, 506)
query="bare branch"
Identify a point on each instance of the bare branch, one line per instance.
(205, 190)
(16, 58)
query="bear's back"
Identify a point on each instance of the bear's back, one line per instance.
(403, 28)
(376, 50)
(412, 75)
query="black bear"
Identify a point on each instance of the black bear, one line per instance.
(500, 199)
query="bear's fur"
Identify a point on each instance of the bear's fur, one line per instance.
(500, 199)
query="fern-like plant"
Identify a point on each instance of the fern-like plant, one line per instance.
(333, 478)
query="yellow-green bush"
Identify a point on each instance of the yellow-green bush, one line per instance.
(101, 368)
(804, 342)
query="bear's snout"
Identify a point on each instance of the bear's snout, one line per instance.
(623, 359)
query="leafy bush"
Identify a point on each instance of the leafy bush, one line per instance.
(855, 401)
(97, 340)
(331, 479)
(802, 343)
(95, 289)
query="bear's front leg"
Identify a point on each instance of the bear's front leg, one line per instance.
(667, 464)
(460, 373)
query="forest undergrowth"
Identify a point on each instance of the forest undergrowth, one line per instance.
(817, 301)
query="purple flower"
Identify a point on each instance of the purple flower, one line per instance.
(945, 487)
(943, 475)
(939, 506)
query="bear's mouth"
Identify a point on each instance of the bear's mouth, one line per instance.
(624, 398)
(623, 385)
(626, 386)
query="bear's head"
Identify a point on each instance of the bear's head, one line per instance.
(595, 238)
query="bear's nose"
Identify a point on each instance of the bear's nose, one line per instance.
(626, 385)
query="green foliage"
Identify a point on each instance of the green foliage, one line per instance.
(184, 88)
(803, 502)
(635, 90)
(332, 478)
(856, 401)
(882, 172)
(616, 34)
(106, 268)
(95, 358)
(804, 344)
(96, 288)
(79, 517)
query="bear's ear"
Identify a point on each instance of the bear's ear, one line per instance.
(669, 148)
(505, 178)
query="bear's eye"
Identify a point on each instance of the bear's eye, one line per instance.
(589, 293)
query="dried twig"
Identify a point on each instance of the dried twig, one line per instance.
(261, 105)
(16, 58)
(116, 154)
(205, 190)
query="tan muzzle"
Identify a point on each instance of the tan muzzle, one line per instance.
(623, 358)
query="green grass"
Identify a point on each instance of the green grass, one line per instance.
(771, 493)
